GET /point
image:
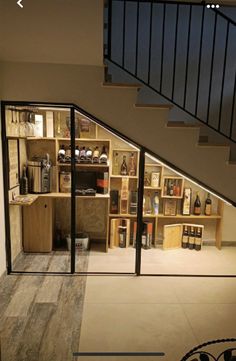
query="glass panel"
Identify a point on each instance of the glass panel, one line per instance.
(105, 215)
(186, 220)
(39, 214)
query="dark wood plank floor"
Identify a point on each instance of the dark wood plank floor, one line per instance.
(40, 316)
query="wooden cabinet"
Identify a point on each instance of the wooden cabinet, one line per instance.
(38, 226)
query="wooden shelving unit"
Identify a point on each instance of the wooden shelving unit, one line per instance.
(41, 145)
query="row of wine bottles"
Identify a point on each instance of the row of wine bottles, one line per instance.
(198, 206)
(192, 237)
(83, 155)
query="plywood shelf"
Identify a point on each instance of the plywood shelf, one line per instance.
(191, 216)
(25, 200)
(213, 216)
(125, 176)
(152, 188)
(68, 195)
(90, 165)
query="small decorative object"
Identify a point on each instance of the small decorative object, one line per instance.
(155, 179)
(84, 125)
(187, 201)
(147, 180)
(170, 206)
(124, 168)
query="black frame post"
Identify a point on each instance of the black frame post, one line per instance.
(140, 212)
(5, 184)
(73, 180)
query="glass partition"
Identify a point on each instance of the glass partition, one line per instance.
(106, 200)
(182, 225)
(39, 196)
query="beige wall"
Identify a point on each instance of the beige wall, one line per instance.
(58, 31)
(229, 224)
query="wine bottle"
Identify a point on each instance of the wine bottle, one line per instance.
(123, 168)
(185, 237)
(171, 189)
(103, 156)
(89, 155)
(68, 154)
(96, 155)
(24, 182)
(208, 205)
(197, 206)
(177, 189)
(116, 165)
(198, 239)
(77, 154)
(132, 166)
(156, 204)
(191, 238)
(82, 154)
(61, 154)
(122, 234)
(148, 204)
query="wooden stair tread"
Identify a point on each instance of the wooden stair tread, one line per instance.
(174, 124)
(121, 85)
(154, 106)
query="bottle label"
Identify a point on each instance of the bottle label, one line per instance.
(208, 209)
(197, 210)
(198, 241)
(191, 240)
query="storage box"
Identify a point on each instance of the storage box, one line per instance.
(81, 242)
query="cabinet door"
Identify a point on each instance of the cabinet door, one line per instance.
(38, 226)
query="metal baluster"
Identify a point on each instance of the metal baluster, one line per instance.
(150, 42)
(223, 76)
(200, 58)
(176, 40)
(124, 18)
(162, 44)
(187, 59)
(109, 29)
(233, 105)
(137, 36)
(212, 62)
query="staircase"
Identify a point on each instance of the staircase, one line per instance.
(195, 81)
(116, 105)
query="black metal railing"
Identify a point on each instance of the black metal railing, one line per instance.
(185, 52)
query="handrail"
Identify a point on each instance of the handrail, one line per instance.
(182, 79)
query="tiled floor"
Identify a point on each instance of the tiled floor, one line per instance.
(40, 316)
(156, 314)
